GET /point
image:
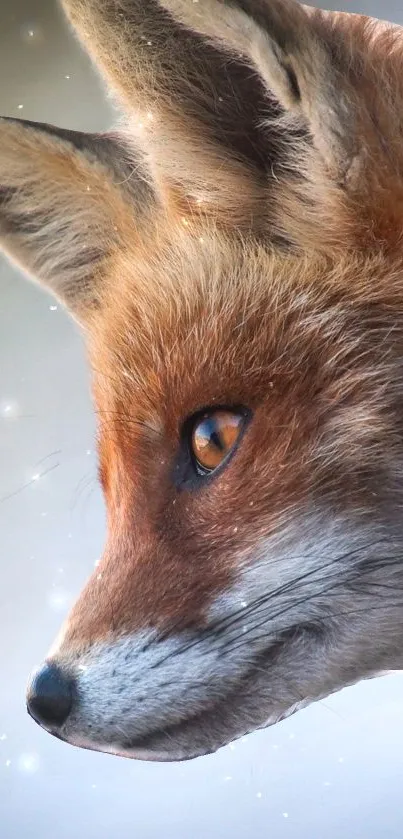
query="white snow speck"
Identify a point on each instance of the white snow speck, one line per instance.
(250, 503)
(67, 76)
(285, 815)
(244, 604)
(30, 32)
(235, 530)
(259, 795)
(20, 107)
(341, 760)
(28, 763)
(59, 599)
(228, 778)
(88, 452)
(36, 476)
(53, 308)
(3, 737)
(8, 763)
(9, 408)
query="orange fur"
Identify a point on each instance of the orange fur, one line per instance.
(247, 223)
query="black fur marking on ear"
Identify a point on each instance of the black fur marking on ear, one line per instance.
(10, 221)
(292, 76)
(268, 19)
(108, 148)
(6, 194)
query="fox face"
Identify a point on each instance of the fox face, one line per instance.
(233, 255)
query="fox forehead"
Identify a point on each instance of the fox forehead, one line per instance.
(193, 317)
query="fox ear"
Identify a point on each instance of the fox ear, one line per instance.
(297, 53)
(64, 198)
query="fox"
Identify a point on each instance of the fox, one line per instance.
(232, 252)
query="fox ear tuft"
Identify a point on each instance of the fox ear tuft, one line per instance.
(63, 196)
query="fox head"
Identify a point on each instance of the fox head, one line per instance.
(233, 253)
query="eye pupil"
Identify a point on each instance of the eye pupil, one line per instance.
(217, 441)
(214, 435)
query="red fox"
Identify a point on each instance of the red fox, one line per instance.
(233, 253)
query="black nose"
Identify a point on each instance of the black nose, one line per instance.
(50, 696)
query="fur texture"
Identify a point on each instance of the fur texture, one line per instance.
(236, 242)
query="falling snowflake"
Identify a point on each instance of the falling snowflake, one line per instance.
(29, 763)
(59, 599)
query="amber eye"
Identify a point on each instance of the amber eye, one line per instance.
(213, 437)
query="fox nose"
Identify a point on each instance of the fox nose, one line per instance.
(50, 696)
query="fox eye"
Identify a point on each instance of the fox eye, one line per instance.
(213, 437)
(207, 441)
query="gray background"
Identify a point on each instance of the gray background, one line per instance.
(332, 770)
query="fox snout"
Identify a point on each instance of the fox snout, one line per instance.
(259, 650)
